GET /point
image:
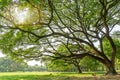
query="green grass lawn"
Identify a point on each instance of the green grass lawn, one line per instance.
(51, 76)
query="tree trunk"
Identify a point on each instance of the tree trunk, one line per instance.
(76, 64)
(79, 69)
(110, 65)
(110, 69)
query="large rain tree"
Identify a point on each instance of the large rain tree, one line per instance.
(84, 23)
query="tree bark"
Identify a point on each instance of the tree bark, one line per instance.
(79, 69)
(108, 64)
(110, 69)
(76, 64)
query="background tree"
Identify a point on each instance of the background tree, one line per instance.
(62, 54)
(8, 65)
(71, 22)
(61, 66)
(90, 64)
(36, 68)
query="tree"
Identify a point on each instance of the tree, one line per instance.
(65, 64)
(61, 65)
(62, 54)
(69, 21)
(90, 64)
(36, 68)
(107, 48)
(8, 65)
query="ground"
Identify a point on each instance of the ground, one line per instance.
(55, 76)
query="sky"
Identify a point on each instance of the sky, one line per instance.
(33, 62)
(1, 55)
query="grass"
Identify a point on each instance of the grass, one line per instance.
(54, 76)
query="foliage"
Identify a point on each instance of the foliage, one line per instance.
(36, 68)
(108, 49)
(61, 66)
(8, 65)
(90, 64)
